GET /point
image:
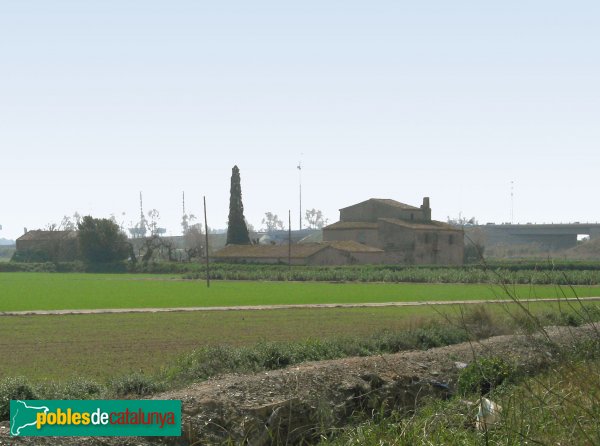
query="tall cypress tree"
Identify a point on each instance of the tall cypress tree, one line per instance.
(237, 231)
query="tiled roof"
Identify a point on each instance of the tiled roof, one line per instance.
(48, 235)
(301, 251)
(267, 251)
(394, 203)
(437, 225)
(352, 225)
(386, 201)
(352, 246)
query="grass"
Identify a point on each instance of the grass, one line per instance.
(558, 407)
(105, 345)
(101, 346)
(57, 291)
(545, 408)
(211, 361)
(121, 355)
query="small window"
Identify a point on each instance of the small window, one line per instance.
(412, 216)
(426, 238)
(451, 240)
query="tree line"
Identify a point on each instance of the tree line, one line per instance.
(103, 240)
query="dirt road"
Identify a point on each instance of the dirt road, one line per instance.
(291, 306)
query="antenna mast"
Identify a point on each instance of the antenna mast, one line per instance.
(141, 211)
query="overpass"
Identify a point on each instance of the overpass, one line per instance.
(552, 236)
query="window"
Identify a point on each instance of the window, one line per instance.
(412, 216)
(451, 240)
(361, 237)
(426, 238)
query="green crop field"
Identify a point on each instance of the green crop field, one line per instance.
(100, 346)
(107, 345)
(104, 345)
(55, 291)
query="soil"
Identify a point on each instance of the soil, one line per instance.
(291, 405)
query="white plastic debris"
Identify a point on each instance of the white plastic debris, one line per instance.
(488, 415)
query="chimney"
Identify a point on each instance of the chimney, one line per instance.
(426, 209)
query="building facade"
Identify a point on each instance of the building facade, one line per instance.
(406, 234)
(326, 253)
(48, 246)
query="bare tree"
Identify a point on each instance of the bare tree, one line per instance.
(462, 221)
(113, 218)
(66, 224)
(154, 218)
(156, 247)
(272, 222)
(194, 242)
(314, 218)
(51, 227)
(186, 222)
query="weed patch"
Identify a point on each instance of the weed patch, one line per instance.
(485, 374)
(135, 384)
(559, 406)
(16, 388)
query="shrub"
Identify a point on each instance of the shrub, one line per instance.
(17, 388)
(210, 361)
(30, 256)
(135, 384)
(480, 323)
(101, 240)
(273, 355)
(484, 374)
(75, 389)
(430, 337)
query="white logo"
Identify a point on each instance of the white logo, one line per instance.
(16, 430)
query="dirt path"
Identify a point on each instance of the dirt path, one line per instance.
(291, 306)
(288, 406)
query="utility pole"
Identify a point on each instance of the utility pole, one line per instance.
(184, 219)
(206, 243)
(300, 187)
(289, 239)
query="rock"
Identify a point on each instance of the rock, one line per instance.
(489, 414)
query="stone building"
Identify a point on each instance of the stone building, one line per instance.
(327, 253)
(48, 246)
(405, 233)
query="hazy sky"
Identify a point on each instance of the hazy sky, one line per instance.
(390, 99)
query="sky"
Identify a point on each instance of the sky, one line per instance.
(100, 100)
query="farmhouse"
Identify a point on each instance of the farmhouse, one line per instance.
(48, 245)
(405, 233)
(330, 253)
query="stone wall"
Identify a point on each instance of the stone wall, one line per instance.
(365, 236)
(421, 246)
